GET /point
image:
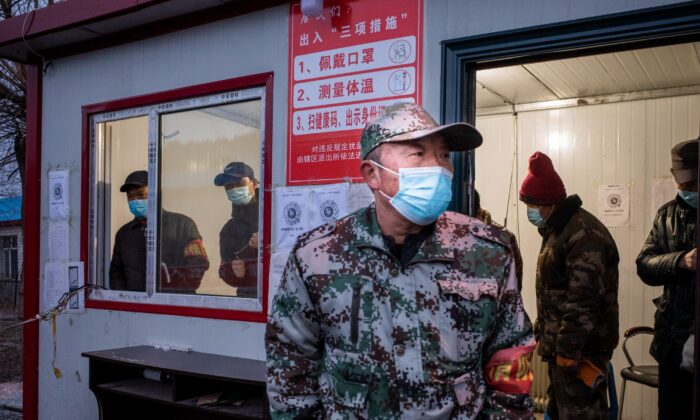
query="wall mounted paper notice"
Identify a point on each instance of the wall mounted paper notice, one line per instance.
(55, 283)
(359, 196)
(290, 215)
(328, 204)
(76, 280)
(614, 204)
(58, 240)
(278, 260)
(59, 208)
(662, 191)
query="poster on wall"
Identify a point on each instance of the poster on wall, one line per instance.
(614, 204)
(345, 67)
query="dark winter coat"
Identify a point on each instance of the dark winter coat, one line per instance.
(671, 237)
(577, 281)
(183, 258)
(233, 245)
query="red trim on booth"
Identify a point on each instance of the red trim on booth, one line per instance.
(263, 79)
(32, 228)
(65, 15)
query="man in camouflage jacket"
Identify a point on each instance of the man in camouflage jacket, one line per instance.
(576, 284)
(374, 322)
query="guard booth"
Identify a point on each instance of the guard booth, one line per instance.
(182, 88)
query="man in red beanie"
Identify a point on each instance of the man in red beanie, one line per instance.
(577, 280)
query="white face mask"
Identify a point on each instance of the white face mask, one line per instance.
(424, 193)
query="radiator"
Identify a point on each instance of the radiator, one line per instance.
(538, 392)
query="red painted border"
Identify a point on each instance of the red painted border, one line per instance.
(66, 14)
(32, 227)
(263, 79)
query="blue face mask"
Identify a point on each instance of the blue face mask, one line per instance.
(239, 196)
(690, 197)
(534, 216)
(139, 208)
(424, 193)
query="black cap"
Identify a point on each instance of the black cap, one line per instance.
(684, 161)
(135, 179)
(234, 172)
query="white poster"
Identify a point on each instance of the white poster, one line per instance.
(359, 196)
(663, 190)
(58, 240)
(290, 216)
(614, 204)
(328, 204)
(59, 208)
(55, 283)
(76, 280)
(278, 260)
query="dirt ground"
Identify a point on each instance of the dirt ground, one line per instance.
(10, 350)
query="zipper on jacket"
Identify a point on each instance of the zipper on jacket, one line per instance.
(355, 313)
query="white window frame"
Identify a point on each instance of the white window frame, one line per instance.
(98, 272)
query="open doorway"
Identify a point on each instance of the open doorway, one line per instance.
(605, 119)
(606, 98)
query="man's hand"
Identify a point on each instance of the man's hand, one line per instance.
(689, 260)
(253, 242)
(238, 268)
(567, 365)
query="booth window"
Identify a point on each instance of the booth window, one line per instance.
(176, 209)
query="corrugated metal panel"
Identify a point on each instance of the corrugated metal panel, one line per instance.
(628, 71)
(625, 143)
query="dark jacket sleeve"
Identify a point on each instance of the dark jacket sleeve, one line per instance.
(585, 267)
(195, 260)
(656, 264)
(116, 268)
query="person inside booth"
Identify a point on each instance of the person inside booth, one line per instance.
(183, 256)
(238, 239)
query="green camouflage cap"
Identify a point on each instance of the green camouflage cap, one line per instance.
(406, 121)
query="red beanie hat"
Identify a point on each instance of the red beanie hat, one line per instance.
(542, 186)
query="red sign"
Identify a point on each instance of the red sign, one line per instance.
(345, 67)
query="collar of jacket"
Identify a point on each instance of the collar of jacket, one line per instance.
(250, 209)
(562, 213)
(683, 205)
(367, 234)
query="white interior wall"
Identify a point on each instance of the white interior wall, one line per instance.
(625, 143)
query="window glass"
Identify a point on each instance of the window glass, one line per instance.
(124, 145)
(210, 204)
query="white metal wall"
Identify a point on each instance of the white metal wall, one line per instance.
(625, 143)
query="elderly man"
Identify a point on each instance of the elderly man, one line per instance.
(577, 281)
(668, 258)
(401, 309)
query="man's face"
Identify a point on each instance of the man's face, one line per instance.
(689, 186)
(428, 151)
(545, 211)
(243, 182)
(137, 193)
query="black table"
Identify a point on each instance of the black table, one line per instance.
(146, 382)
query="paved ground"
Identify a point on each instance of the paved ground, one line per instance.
(10, 369)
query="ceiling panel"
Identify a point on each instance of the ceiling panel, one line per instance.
(623, 72)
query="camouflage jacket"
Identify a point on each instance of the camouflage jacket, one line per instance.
(577, 280)
(485, 216)
(355, 335)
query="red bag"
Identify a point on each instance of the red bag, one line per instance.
(509, 370)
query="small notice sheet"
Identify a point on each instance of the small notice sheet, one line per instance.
(614, 204)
